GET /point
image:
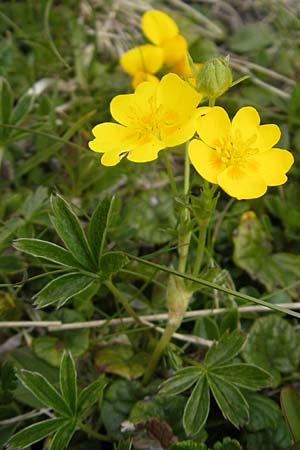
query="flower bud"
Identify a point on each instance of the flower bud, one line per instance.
(214, 77)
(177, 299)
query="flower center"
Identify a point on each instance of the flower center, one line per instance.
(157, 121)
(234, 151)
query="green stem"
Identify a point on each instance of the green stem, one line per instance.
(200, 247)
(88, 430)
(159, 349)
(184, 235)
(211, 102)
(170, 173)
(118, 295)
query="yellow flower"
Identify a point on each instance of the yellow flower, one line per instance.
(162, 31)
(238, 155)
(142, 62)
(156, 116)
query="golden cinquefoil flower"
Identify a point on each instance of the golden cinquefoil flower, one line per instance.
(156, 116)
(238, 155)
(142, 63)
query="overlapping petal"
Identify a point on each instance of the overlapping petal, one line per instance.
(177, 96)
(214, 126)
(268, 136)
(127, 108)
(206, 160)
(144, 58)
(158, 26)
(175, 50)
(140, 77)
(245, 124)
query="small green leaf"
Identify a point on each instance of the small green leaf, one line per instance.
(35, 433)
(230, 321)
(290, 404)
(273, 345)
(230, 400)
(112, 262)
(63, 436)
(98, 226)
(68, 380)
(22, 108)
(264, 412)
(225, 349)
(244, 375)
(63, 288)
(251, 37)
(197, 407)
(227, 444)
(183, 379)
(70, 231)
(6, 101)
(46, 250)
(44, 391)
(207, 328)
(90, 395)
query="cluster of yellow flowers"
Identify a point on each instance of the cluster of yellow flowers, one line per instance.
(237, 155)
(168, 48)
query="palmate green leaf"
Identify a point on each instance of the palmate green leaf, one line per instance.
(290, 404)
(46, 250)
(35, 433)
(68, 381)
(40, 387)
(70, 231)
(225, 349)
(63, 436)
(183, 379)
(63, 288)
(197, 407)
(230, 400)
(98, 226)
(90, 395)
(246, 376)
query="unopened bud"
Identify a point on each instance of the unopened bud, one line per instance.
(177, 299)
(214, 77)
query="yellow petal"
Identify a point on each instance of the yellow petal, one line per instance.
(245, 124)
(146, 58)
(179, 134)
(272, 165)
(140, 77)
(111, 158)
(158, 26)
(128, 109)
(214, 126)
(174, 49)
(239, 183)
(268, 135)
(147, 151)
(177, 96)
(205, 160)
(110, 136)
